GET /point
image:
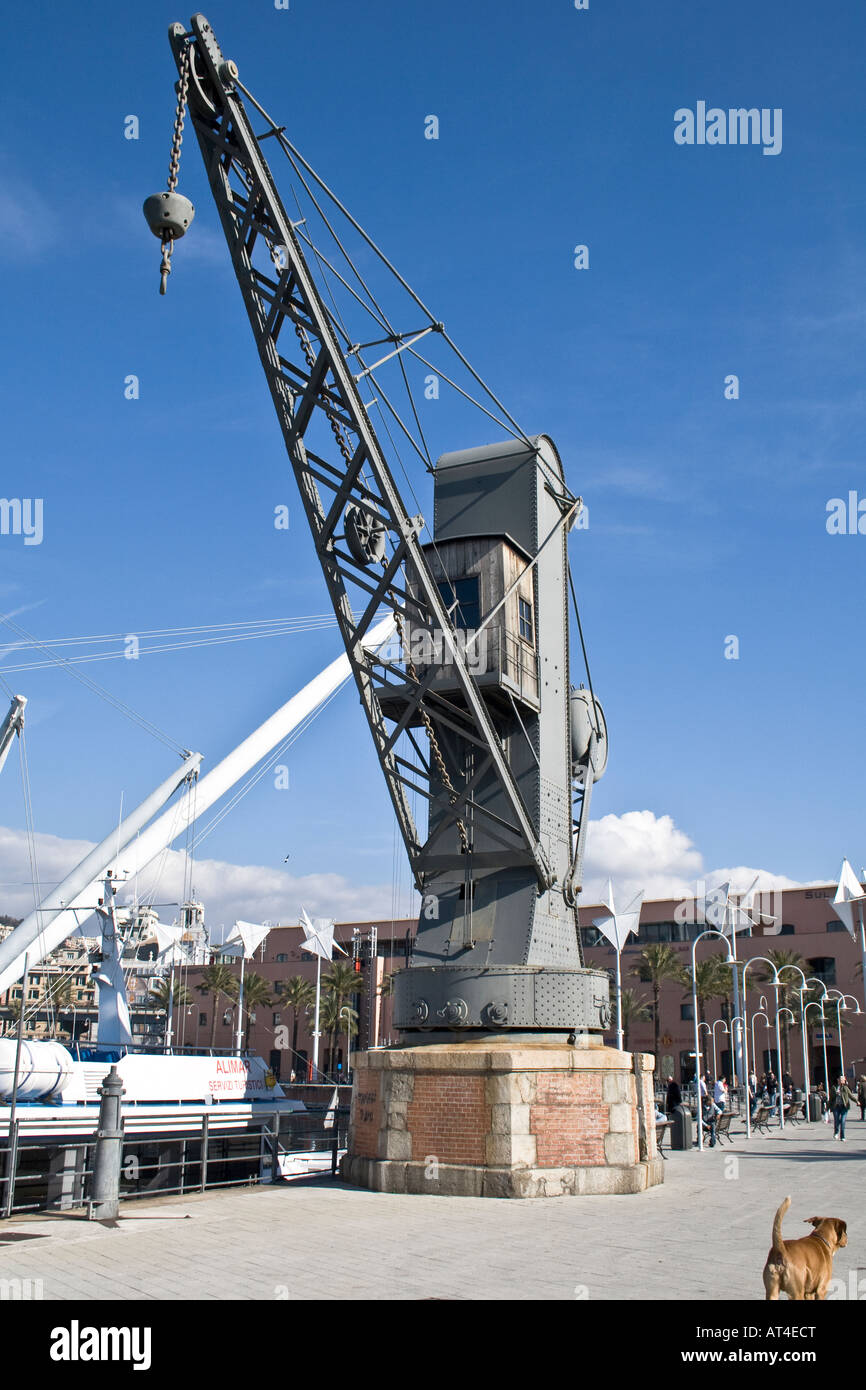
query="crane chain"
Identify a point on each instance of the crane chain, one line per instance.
(177, 135)
(453, 796)
(174, 161)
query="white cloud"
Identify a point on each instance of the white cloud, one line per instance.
(642, 850)
(228, 891)
(636, 850)
(639, 850)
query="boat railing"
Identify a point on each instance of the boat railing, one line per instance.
(93, 1052)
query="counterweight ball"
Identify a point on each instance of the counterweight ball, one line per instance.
(168, 214)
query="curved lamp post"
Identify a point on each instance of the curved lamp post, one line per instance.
(803, 990)
(786, 1010)
(730, 960)
(724, 1030)
(759, 1013)
(840, 1003)
(813, 980)
(775, 983)
(744, 1037)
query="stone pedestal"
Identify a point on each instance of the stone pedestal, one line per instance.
(483, 1119)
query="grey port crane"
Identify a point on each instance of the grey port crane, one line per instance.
(502, 750)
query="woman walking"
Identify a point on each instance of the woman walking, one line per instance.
(861, 1096)
(842, 1098)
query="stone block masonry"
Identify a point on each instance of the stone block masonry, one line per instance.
(478, 1119)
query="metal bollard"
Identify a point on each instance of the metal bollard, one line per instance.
(105, 1193)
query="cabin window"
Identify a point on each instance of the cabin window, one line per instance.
(525, 617)
(463, 593)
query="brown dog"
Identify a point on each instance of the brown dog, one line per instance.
(802, 1268)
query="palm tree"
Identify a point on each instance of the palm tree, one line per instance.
(298, 995)
(336, 1018)
(340, 983)
(257, 990)
(635, 1009)
(165, 992)
(654, 965)
(58, 995)
(218, 980)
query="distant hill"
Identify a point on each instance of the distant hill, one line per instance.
(10, 921)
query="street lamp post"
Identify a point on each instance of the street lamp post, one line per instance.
(759, 1013)
(801, 992)
(775, 983)
(744, 1039)
(715, 1055)
(346, 1009)
(731, 960)
(813, 980)
(840, 1003)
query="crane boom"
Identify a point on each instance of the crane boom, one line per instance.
(365, 539)
(12, 724)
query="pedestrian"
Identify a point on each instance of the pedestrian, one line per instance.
(674, 1097)
(787, 1082)
(772, 1090)
(822, 1096)
(842, 1099)
(861, 1096)
(720, 1093)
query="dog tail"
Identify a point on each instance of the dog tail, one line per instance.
(778, 1243)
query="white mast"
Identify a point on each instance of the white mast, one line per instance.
(67, 908)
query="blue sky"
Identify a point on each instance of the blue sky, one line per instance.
(707, 516)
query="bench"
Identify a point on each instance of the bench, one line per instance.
(662, 1128)
(761, 1117)
(796, 1112)
(723, 1125)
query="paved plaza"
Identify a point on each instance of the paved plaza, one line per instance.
(704, 1234)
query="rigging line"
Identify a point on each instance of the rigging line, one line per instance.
(468, 365)
(171, 647)
(174, 631)
(424, 457)
(583, 647)
(293, 154)
(303, 236)
(271, 758)
(402, 365)
(119, 705)
(380, 318)
(514, 428)
(453, 384)
(376, 385)
(378, 314)
(288, 146)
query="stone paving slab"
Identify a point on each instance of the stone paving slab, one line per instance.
(703, 1234)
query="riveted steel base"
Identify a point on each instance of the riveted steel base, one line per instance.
(499, 998)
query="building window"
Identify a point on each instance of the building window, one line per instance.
(463, 593)
(687, 1012)
(824, 967)
(281, 958)
(786, 929)
(525, 618)
(836, 925)
(202, 1020)
(276, 1020)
